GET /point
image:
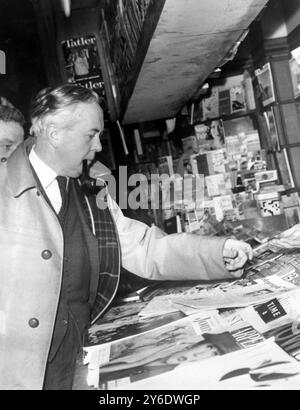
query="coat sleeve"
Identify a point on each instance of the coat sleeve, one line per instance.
(151, 253)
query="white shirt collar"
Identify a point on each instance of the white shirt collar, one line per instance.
(45, 174)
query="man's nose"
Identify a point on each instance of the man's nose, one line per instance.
(97, 146)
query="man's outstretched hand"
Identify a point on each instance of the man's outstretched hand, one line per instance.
(236, 254)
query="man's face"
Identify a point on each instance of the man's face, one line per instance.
(80, 140)
(11, 135)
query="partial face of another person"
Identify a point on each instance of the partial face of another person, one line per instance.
(78, 139)
(11, 136)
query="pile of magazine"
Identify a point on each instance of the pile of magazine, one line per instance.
(243, 334)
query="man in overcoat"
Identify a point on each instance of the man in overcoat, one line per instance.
(61, 253)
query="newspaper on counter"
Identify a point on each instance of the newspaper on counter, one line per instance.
(195, 337)
(122, 322)
(272, 272)
(263, 366)
(151, 346)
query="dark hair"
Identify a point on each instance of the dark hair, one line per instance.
(50, 99)
(11, 114)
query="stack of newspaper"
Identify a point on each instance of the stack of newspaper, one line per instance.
(243, 334)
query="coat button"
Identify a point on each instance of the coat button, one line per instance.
(3, 159)
(46, 254)
(33, 322)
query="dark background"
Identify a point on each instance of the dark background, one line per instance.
(25, 72)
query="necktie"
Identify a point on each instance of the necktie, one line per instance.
(62, 183)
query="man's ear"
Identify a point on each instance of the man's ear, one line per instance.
(52, 134)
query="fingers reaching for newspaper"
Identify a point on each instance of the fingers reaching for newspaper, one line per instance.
(235, 255)
(289, 238)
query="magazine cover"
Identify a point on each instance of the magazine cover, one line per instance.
(237, 99)
(82, 64)
(265, 81)
(210, 105)
(165, 165)
(187, 340)
(210, 135)
(295, 74)
(272, 136)
(235, 126)
(123, 322)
